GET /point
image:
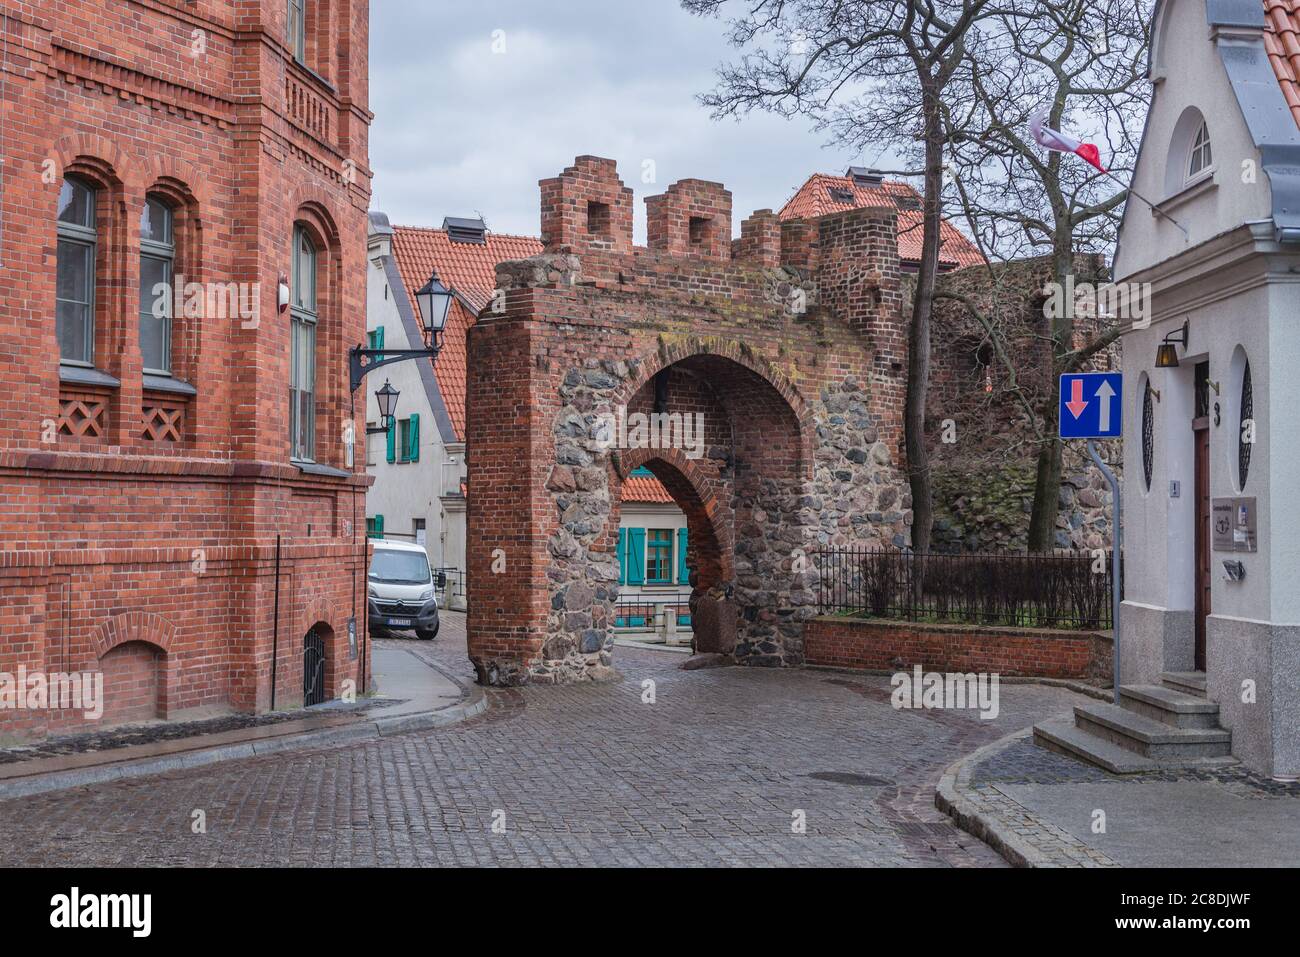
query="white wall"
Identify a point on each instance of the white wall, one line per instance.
(401, 492)
(1188, 72)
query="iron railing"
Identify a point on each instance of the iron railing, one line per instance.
(1068, 590)
(450, 584)
(646, 614)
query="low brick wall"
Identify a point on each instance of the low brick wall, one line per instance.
(874, 645)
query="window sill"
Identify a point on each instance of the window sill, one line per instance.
(85, 375)
(301, 65)
(163, 383)
(312, 468)
(1202, 185)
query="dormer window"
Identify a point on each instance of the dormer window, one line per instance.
(1202, 158)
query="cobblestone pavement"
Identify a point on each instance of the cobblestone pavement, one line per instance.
(1174, 817)
(714, 772)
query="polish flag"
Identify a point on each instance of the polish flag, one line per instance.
(1051, 139)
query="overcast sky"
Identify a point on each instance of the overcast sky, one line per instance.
(460, 129)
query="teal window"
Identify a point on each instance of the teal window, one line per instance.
(683, 572)
(408, 439)
(375, 527)
(659, 556)
(634, 557)
(376, 337)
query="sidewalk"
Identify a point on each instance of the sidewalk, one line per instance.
(1040, 809)
(413, 694)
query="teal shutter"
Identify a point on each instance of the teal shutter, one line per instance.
(683, 573)
(375, 526)
(392, 440)
(379, 339)
(636, 556)
(622, 556)
(413, 447)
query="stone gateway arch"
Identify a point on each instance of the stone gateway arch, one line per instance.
(759, 379)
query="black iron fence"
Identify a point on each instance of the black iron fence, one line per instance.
(1051, 590)
(450, 583)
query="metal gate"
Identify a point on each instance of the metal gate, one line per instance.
(313, 669)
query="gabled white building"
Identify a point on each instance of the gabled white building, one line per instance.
(418, 464)
(1212, 447)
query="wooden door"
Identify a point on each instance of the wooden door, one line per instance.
(1203, 538)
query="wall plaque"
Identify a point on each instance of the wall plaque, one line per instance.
(1233, 525)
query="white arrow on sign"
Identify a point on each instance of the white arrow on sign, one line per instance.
(1104, 394)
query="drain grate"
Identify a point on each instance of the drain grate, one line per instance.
(855, 780)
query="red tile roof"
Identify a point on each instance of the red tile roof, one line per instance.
(1282, 42)
(470, 271)
(814, 199)
(645, 490)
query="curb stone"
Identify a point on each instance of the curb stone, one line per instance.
(949, 797)
(473, 702)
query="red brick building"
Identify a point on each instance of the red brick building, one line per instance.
(163, 422)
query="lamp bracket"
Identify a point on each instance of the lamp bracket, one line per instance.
(362, 362)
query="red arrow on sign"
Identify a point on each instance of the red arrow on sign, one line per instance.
(1076, 405)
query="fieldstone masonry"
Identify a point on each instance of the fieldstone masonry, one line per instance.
(788, 344)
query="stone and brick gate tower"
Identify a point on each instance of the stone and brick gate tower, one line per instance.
(786, 344)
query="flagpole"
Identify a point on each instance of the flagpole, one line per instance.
(1154, 208)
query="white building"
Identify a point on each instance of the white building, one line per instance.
(1212, 449)
(654, 581)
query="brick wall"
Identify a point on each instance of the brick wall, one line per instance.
(898, 646)
(131, 511)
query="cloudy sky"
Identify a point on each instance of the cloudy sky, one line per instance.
(461, 129)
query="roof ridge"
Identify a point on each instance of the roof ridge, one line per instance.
(490, 232)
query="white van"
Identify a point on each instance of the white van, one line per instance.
(400, 591)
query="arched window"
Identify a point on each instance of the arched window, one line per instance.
(1148, 434)
(75, 273)
(157, 273)
(1245, 428)
(298, 29)
(302, 373)
(1202, 157)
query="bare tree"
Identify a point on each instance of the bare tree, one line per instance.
(876, 73)
(1083, 61)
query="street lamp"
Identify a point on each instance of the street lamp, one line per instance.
(387, 399)
(434, 301)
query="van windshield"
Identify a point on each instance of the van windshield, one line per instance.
(400, 568)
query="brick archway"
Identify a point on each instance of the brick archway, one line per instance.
(784, 422)
(139, 683)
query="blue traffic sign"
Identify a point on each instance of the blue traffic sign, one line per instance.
(1092, 405)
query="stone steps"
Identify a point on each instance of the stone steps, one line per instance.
(1153, 727)
(1149, 737)
(1188, 682)
(1174, 708)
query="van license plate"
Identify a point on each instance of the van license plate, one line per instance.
(399, 623)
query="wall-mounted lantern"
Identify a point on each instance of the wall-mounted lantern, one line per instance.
(1167, 354)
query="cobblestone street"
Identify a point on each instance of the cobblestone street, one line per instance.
(712, 773)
